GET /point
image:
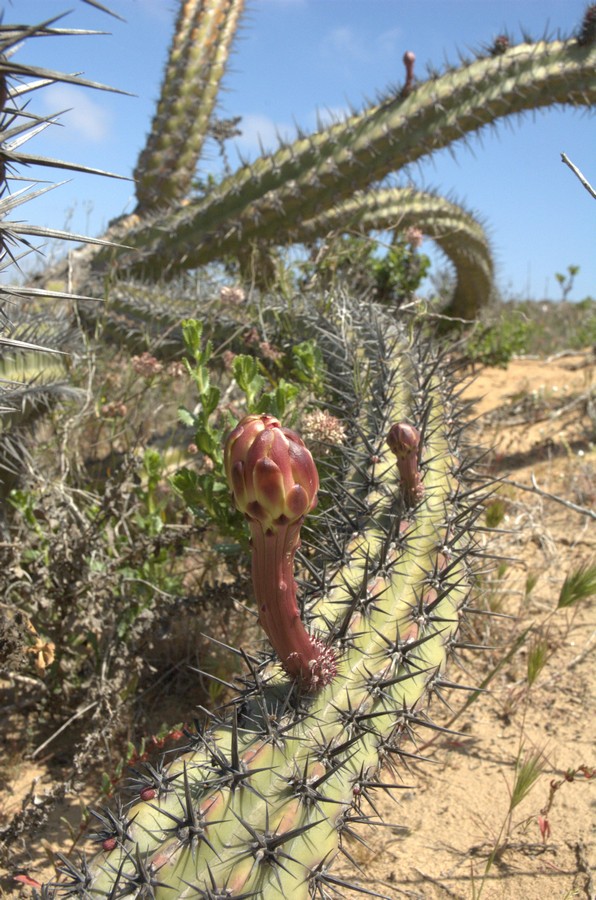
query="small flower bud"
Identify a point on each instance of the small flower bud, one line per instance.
(500, 45)
(404, 441)
(409, 59)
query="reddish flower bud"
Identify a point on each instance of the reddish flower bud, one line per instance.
(544, 826)
(409, 59)
(500, 45)
(404, 441)
(272, 474)
(274, 481)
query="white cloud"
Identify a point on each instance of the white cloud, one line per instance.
(341, 43)
(390, 42)
(85, 117)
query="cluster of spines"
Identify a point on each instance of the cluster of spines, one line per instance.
(587, 32)
(255, 805)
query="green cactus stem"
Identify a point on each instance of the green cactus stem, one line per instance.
(274, 482)
(257, 803)
(269, 198)
(196, 63)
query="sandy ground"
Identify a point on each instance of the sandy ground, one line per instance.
(456, 811)
(453, 811)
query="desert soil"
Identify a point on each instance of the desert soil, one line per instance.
(452, 812)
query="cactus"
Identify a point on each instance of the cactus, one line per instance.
(256, 804)
(269, 199)
(289, 195)
(457, 232)
(196, 63)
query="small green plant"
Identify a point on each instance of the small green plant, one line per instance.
(106, 559)
(531, 581)
(529, 767)
(389, 278)
(205, 491)
(566, 281)
(495, 344)
(579, 585)
(538, 654)
(495, 512)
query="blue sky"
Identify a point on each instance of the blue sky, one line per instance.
(294, 57)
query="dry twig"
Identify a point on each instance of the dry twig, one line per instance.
(577, 172)
(534, 489)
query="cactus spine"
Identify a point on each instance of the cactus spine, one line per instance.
(255, 807)
(17, 126)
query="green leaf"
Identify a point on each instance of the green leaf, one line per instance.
(186, 417)
(210, 399)
(246, 373)
(152, 463)
(186, 483)
(192, 332)
(307, 362)
(278, 401)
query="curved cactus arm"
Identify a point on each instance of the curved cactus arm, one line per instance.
(272, 196)
(196, 63)
(457, 232)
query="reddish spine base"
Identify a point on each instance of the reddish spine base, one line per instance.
(309, 660)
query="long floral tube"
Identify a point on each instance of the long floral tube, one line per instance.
(274, 482)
